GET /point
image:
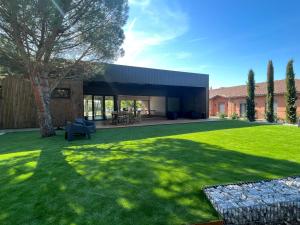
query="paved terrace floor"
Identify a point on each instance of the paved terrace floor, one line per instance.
(149, 122)
(145, 122)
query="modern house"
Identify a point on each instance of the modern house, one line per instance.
(153, 92)
(231, 100)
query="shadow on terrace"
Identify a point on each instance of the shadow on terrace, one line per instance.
(153, 181)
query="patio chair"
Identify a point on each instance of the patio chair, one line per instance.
(131, 118)
(73, 129)
(89, 124)
(114, 118)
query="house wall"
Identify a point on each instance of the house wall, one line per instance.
(63, 109)
(195, 100)
(158, 104)
(18, 109)
(192, 98)
(233, 105)
(214, 105)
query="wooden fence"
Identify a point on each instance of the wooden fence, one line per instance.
(18, 109)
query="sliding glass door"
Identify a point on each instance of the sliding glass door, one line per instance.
(88, 107)
(109, 106)
(98, 107)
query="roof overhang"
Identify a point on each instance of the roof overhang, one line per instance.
(145, 76)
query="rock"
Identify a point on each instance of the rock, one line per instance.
(265, 202)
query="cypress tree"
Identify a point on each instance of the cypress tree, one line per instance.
(270, 93)
(291, 94)
(250, 97)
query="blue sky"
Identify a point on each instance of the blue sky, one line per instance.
(224, 38)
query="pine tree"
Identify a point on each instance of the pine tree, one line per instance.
(250, 97)
(291, 94)
(270, 93)
(45, 41)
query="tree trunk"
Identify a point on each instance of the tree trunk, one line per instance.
(41, 90)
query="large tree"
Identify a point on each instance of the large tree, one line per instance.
(270, 93)
(45, 40)
(291, 94)
(250, 97)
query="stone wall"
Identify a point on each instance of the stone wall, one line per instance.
(265, 202)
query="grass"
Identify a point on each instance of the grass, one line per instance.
(138, 176)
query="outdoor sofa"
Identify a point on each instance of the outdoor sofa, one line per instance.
(80, 127)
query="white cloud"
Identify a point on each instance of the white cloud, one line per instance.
(142, 3)
(154, 26)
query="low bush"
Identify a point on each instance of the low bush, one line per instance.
(234, 116)
(222, 115)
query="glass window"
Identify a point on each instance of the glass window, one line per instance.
(61, 93)
(142, 106)
(109, 106)
(127, 105)
(243, 108)
(173, 104)
(88, 107)
(221, 108)
(98, 107)
(275, 107)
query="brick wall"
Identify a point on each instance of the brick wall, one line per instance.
(214, 105)
(233, 105)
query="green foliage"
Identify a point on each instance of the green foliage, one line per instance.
(250, 97)
(58, 39)
(127, 104)
(291, 94)
(234, 116)
(270, 93)
(39, 32)
(222, 115)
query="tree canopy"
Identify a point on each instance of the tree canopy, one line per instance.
(46, 33)
(291, 94)
(270, 93)
(251, 96)
(43, 39)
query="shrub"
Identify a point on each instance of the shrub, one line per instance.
(222, 115)
(291, 94)
(234, 116)
(250, 97)
(270, 116)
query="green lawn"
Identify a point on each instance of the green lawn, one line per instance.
(139, 176)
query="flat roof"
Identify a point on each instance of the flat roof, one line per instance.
(139, 75)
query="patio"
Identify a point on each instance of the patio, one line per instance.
(151, 121)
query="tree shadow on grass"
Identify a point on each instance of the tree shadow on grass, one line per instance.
(156, 181)
(19, 141)
(137, 133)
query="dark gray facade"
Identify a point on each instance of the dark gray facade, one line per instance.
(139, 75)
(190, 89)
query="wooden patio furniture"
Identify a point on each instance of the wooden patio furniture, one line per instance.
(125, 118)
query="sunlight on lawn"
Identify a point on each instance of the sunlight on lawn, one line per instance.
(18, 166)
(138, 176)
